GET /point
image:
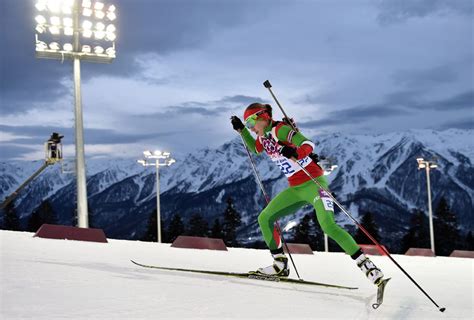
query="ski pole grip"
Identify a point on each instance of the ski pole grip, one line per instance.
(267, 84)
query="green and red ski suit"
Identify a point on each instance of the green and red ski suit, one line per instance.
(302, 189)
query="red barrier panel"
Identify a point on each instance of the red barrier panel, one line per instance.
(51, 231)
(372, 249)
(199, 243)
(298, 248)
(423, 252)
(462, 254)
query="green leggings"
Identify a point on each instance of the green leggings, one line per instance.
(293, 198)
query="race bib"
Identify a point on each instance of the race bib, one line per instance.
(287, 166)
(327, 201)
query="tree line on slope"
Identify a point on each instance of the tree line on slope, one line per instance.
(447, 234)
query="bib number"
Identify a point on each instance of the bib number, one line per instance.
(286, 167)
(327, 201)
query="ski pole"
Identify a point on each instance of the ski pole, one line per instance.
(268, 85)
(367, 233)
(267, 199)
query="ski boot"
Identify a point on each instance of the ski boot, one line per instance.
(279, 268)
(373, 273)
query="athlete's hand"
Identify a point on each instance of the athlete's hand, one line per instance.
(289, 152)
(291, 122)
(237, 123)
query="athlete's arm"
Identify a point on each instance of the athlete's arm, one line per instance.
(253, 145)
(305, 146)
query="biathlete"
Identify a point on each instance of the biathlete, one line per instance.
(282, 144)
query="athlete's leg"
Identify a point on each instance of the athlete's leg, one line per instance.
(283, 204)
(324, 208)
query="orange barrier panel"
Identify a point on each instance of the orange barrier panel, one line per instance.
(423, 252)
(199, 243)
(462, 254)
(298, 248)
(52, 231)
(372, 249)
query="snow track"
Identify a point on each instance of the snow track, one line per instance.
(59, 279)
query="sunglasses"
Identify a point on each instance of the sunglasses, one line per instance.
(252, 120)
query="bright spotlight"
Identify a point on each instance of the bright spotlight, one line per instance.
(54, 46)
(54, 30)
(110, 51)
(98, 50)
(67, 47)
(147, 153)
(99, 14)
(98, 6)
(86, 48)
(40, 19)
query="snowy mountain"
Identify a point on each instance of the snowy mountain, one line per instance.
(376, 173)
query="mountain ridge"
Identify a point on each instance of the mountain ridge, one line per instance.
(375, 173)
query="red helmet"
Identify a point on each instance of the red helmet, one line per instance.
(264, 111)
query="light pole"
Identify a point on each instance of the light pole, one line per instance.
(328, 167)
(157, 159)
(427, 165)
(79, 25)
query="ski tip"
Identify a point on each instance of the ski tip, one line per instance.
(442, 309)
(375, 305)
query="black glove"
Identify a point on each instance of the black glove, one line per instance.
(289, 152)
(237, 123)
(315, 157)
(291, 122)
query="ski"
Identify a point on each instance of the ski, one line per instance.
(249, 275)
(380, 293)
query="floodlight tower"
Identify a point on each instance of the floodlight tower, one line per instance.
(328, 167)
(427, 165)
(76, 30)
(157, 159)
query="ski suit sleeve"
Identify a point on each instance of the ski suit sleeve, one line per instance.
(253, 145)
(287, 134)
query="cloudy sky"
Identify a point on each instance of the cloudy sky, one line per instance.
(184, 67)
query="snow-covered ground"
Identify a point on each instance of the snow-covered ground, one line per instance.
(58, 279)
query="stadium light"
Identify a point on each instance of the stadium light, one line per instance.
(427, 165)
(66, 30)
(157, 159)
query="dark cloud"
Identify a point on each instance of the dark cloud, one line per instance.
(169, 25)
(396, 11)
(411, 99)
(10, 151)
(395, 104)
(459, 124)
(23, 78)
(208, 108)
(355, 115)
(241, 99)
(403, 98)
(160, 26)
(425, 78)
(189, 109)
(39, 134)
(464, 100)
